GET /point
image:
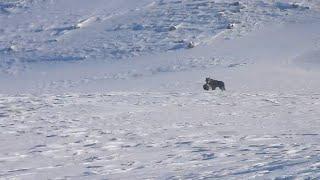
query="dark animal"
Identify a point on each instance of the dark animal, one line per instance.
(213, 84)
(206, 87)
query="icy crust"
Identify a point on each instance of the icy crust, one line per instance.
(55, 31)
(133, 135)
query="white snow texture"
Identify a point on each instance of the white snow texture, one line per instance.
(113, 89)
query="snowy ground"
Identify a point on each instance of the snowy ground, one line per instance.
(160, 135)
(96, 90)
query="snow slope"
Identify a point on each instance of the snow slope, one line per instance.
(42, 31)
(96, 90)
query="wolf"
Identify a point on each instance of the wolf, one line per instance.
(213, 84)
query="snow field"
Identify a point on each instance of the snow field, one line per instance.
(160, 135)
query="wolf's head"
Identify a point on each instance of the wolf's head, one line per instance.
(208, 80)
(206, 87)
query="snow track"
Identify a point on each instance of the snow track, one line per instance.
(125, 135)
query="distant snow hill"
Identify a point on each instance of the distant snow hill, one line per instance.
(79, 30)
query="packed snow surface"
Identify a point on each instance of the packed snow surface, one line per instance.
(113, 89)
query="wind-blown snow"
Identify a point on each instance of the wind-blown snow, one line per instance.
(113, 89)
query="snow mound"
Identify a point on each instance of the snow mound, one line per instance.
(287, 6)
